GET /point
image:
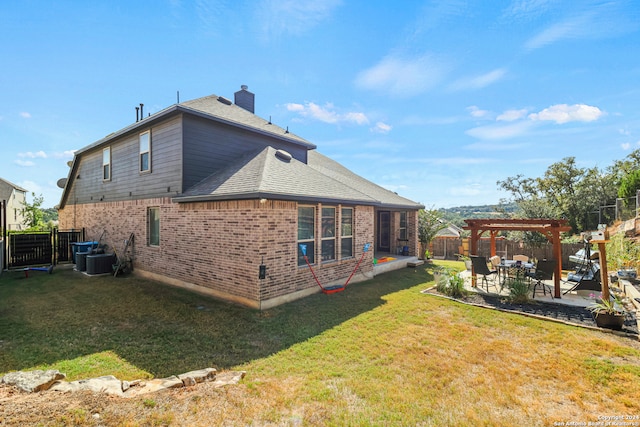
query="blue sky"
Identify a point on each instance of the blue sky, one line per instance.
(436, 100)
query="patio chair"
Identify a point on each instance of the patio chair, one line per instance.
(544, 271)
(522, 258)
(480, 267)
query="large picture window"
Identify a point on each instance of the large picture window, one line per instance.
(145, 152)
(306, 233)
(328, 234)
(153, 232)
(106, 164)
(346, 233)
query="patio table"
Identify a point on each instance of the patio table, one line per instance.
(507, 264)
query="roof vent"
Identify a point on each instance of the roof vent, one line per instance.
(284, 155)
(224, 100)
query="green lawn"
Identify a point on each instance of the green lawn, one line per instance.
(380, 353)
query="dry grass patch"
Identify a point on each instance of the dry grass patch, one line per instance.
(381, 353)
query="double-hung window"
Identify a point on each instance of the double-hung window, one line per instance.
(328, 234)
(153, 226)
(346, 233)
(145, 152)
(403, 226)
(106, 164)
(306, 233)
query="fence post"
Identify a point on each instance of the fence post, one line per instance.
(4, 263)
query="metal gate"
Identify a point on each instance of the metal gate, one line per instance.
(30, 249)
(40, 248)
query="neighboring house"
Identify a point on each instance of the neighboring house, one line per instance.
(15, 197)
(212, 192)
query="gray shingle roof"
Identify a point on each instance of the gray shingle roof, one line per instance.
(212, 105)
(10, 184)
(263, 174)
(212, 108)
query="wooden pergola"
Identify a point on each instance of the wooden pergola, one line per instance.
(550, 228)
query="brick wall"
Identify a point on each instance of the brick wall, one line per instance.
(218, 246)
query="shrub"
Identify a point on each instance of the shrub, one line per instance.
(451, 284)
(519, 290)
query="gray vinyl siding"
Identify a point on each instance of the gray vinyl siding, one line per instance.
(127, 182)
(210, 146)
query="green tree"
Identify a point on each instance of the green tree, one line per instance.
(565, 191)
(429, 223)
(32, 212)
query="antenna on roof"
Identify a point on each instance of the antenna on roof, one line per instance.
(269, 119)
(177, 97)
(287, 131)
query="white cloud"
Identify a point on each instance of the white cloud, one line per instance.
(25, 115)
(327, 113)
(627, 145)
(295, 107)
(511, 115)
(381, 127)
(67, 154)
(403, 77)
(359, 118)
(597, 20)
(478, 82)
(477, 112)
(563, 113)
(38, 154)
(24, 163)
(293, 17)
(500, 131)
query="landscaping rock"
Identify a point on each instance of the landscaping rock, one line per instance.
(152, 386)
(33, 381)
(107, 384)
(227, 378)
(201, 375)
(53, 380)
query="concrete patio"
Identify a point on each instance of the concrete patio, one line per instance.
(579, 298)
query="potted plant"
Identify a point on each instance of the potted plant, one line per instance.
(466, 260)
(608, 313)
(438, 272)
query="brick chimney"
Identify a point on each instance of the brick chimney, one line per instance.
(245, 99)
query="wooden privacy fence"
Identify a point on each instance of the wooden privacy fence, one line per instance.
(447, 248)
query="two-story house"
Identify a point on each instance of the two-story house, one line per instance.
(15, 197)
(213, 192)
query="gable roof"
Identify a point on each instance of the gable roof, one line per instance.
(270, 173)
(10, 184)
(217, 107)
(335, 170)
(212, 107)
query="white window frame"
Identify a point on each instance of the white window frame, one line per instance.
(346, 234)
(142, 152)
(106, 164)
(328, 234)
(306, 239)
(402, 231)
(153, 226)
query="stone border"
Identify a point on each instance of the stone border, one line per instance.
(53, 380)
